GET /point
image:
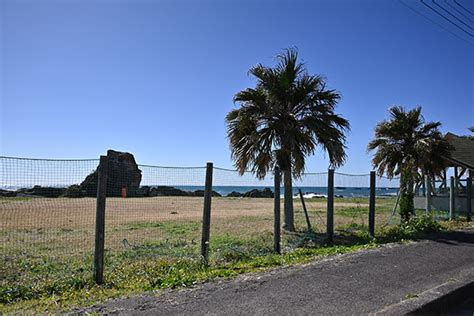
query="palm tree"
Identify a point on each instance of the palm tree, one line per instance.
(407, 146)
(282, 120)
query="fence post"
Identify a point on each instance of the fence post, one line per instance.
(469, 196)
(100, 220)
(452, 205)
(330, 207)
(277, 212)
(372, 205)
(428, 194)
(206, 215)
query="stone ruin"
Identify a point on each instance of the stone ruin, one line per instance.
(123, 176)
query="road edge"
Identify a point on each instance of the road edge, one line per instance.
(437, 299)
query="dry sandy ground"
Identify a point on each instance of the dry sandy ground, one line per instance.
(76, 213)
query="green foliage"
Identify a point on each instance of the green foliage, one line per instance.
(407, 146)
(284, 118)
(413, 229)
(406, 206)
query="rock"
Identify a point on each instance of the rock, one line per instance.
(234, 194)
(122, 172)
(143, 191)
(6, 193)
(201, 193)
(74, 191)
(38, 190)
(255, 193)
(168, 191)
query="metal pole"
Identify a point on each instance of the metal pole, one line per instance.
(206, 214)
(277, 212)
(308, 223)
(372, 205)
(469, 196)
(428, 194)
(100, 220)
(330, 207)
(452, 205)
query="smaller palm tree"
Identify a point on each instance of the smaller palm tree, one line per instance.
(407, 146)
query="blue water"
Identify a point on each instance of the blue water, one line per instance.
(338, 191)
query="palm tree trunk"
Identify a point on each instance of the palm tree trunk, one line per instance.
(406, 198)
(289, 213)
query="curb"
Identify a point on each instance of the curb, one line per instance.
(437, 300)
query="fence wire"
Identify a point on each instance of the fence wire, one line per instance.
(351, 201)
(158, 215)
(46, 233)
(242, 215)
(48, 212)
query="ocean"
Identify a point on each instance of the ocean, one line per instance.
(307, 191)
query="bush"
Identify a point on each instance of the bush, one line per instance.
(414, 228)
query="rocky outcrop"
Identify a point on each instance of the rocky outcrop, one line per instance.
(38, 190)
(122, 173)
(168, 191)
(201, 193)
(255, 193)
(234, 194)
(74, 191)
(6, 193)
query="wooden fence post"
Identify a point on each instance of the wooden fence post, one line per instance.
(100, 220)
(276, 213)
(330, 207)
(372, 205)
(452, 205)
(206, 215)
(469, 196)
(428, 194)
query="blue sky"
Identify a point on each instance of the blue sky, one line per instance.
(156, 78)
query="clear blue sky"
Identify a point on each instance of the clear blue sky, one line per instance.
(156, 78)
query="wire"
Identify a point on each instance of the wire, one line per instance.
(463, 7)
(437, 12)
(453, 15)
(433, 21)
(454, 8)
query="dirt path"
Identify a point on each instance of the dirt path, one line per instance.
(360, 283)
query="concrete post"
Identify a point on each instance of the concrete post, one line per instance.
(452, 205)
(100, 221)
(330, 207)
(428, 194)
(206, 215)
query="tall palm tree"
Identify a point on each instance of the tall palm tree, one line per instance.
(407, 146)
(282, 120)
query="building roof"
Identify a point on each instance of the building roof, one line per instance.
(463, 153)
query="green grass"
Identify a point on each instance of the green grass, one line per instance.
(124, 276)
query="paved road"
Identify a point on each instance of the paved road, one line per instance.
(360, 283)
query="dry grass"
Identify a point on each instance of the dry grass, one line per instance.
(64, 225)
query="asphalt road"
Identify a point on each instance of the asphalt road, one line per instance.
(360, 283)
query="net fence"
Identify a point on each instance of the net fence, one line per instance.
(351, 201)
(159, 217)
(48, 216)
(242, 215)
(46, 233)
(48, 220)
